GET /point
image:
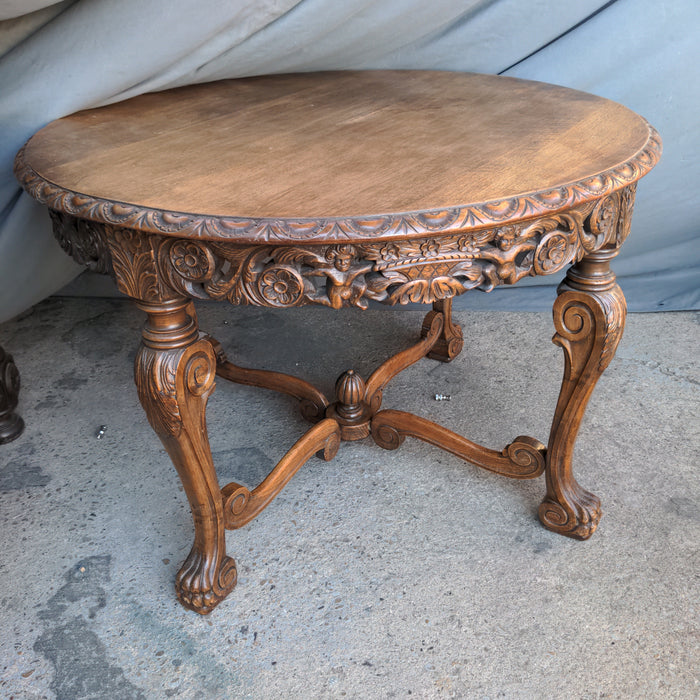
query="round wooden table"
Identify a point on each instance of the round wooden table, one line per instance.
(333, 189)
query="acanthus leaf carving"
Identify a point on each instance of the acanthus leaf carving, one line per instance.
(625, 216)
(82, 240)
(602, 223)
(133, 263)
(342, 274)
(155, 373)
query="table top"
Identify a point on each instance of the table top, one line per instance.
(337, 156)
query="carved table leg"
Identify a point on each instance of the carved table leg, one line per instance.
(174, 372)
(589, 316)
(11, 425)
(450, 342)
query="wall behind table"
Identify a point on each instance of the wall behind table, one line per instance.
(643, 53)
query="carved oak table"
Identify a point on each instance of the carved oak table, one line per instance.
(332, 189)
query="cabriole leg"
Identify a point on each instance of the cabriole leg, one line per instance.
(174, 372)
(589, 317)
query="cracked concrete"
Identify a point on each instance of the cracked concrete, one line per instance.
(377, 575)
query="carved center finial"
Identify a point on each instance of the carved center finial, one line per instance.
(350, 408)
(350, 392)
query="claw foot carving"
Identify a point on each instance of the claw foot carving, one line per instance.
(578, 520)
(200, 586)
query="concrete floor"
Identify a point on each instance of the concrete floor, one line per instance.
(377, 575)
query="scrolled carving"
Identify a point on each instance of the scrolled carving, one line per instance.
(423, 270)
(171, 374)
(451, 340)
(524, 458)
(574, 322)
(225, 580)
(241, 505)
(235, 500)
(175, 369)
(553, 515)
(577, 320)
(199, 373)
(528, 454)
(386, 436)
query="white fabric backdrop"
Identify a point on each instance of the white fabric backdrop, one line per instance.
(644, 53)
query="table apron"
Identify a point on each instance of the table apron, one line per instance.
(151, 267)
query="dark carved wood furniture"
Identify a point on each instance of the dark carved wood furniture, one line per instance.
(333, 189)
(11, 424)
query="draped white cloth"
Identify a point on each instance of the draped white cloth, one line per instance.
(68, 56)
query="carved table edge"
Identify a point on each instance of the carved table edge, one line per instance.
(370, 227)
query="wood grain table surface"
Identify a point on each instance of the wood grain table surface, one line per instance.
(344, 145)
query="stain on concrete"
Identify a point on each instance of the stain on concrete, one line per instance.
(97, 337)
(49, 401)
(79, 657)
(684, 506)
(26, 448)
(542, 546)
(70, 382)
(193, 664)
(18, 475)
(247, 465)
